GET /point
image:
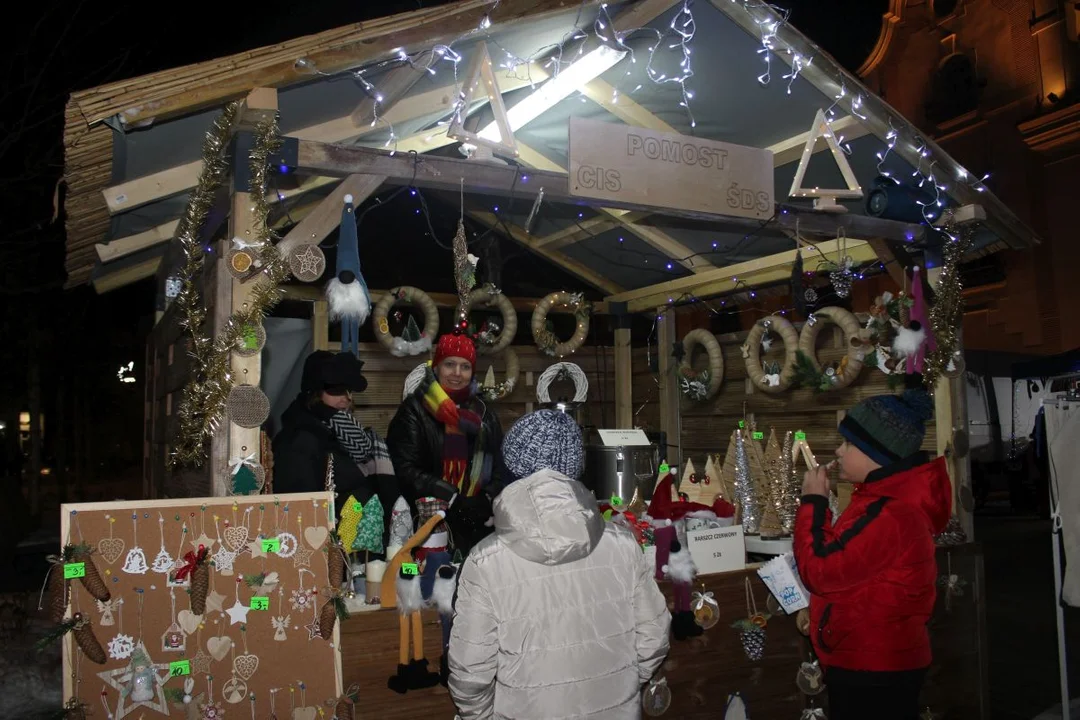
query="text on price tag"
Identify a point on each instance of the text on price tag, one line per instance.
(74, 570)
(179, 668)
(271, 545)
(717, 550)
(260, 603)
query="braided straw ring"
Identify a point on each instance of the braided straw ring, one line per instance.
(488, 297)
(410, 296)
(707, 340)
(506, 387)
(539, 318)
(849, 324)
(751, 351)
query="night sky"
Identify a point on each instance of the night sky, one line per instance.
(57, 46)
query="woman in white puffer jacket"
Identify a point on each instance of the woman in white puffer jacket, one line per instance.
(557, 613)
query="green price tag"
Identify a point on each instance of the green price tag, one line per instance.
(742, 423)
(800, 435)
(665, 468)
(357, 508)
(410, 569)
(260, 603)
(759, 435)
(179, 668)
(74, 570)
(616, 500)
(271, 545)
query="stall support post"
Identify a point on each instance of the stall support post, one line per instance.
(624, 369)
(232, 294)
(950, 418)
(669, 388)
(320, 325)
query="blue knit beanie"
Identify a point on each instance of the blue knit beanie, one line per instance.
(544, 440)
(889, 428)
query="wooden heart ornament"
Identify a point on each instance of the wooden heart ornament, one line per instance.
(246, 665)
(188, 621)
(236, 537)
(111, 549)
(219, 647)
(316, 536)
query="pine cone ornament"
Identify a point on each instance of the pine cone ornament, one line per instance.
(327, 619)
(88, 642)
(752, 636)
(335, 565)
(344, 709)
(92, 579)
(58, 590)
(196, 567)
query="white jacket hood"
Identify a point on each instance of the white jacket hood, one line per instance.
(548, 518)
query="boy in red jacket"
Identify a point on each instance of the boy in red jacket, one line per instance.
(871, 575)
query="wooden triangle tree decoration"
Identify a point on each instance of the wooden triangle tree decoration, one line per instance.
(691, 483)
(714, 486)
(479, 82)
(824, 198)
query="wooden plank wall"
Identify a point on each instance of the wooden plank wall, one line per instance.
(386, 379)
(707, 426)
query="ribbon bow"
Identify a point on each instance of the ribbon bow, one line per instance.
(813, 714)
(656, 683)
(238, 462)
(241, 244)
(191, 561)
(700, 597)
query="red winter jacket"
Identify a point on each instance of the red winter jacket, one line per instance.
(871, 576)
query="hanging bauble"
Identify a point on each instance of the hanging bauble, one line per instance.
(251, 341)
(240, 262)
(307, 262)
(248, 406)
(810, 678)
(656, 699)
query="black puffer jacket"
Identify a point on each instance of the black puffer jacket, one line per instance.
(415, 438)
(301, 450)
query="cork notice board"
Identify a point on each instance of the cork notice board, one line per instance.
(260, 629)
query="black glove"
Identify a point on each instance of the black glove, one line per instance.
(468, 520)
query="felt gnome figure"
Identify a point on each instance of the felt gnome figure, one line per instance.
(914, 339)
(347, 295)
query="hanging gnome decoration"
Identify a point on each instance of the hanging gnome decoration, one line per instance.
(673, 559)
(347, 294)
(914, 339)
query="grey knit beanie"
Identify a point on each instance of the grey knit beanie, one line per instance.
(545, 439)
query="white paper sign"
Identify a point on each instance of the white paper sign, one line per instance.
(624, 437)
(717, 550)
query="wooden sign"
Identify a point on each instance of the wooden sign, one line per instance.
(717, 550)
(665, 170)
(259, 629)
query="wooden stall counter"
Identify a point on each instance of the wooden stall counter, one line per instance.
(703, 671)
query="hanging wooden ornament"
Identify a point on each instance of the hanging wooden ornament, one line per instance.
(493, 391)
(246, 476)
(481, 82)
(173, 639)
(251, 341)
(248, 406)
(810, 678)
(307, 262)
(111, 548)
(825, 198)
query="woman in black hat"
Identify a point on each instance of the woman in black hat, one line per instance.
(319, 424)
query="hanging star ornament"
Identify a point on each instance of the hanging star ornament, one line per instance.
(256, 548)
(311, 262)
(237, 613)
(302, 558)
(215, 602)
(120, 680)
(313, 628)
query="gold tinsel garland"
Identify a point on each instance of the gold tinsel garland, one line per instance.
(947, 311)
(206, 393)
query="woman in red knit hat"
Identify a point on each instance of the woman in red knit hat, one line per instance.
(447, 447)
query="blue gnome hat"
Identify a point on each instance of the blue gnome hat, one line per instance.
(347, 294)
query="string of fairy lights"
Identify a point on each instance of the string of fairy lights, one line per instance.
(669, 46)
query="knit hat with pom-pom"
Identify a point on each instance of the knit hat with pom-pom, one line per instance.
(890, 428)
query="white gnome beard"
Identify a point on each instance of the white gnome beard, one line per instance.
(347, 301)
(409, 598)
(442, 594)
(908, 341)
(680, 566)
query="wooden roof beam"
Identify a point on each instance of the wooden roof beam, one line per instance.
(326, 216)
(760, 271)
(518, 235)
(451, 174)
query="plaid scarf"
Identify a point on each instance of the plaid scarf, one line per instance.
(365, 448)
(461, 421)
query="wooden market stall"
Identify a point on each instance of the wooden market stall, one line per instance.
(649, 208)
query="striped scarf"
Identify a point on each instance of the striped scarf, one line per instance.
(365, 448)
(460, 422)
